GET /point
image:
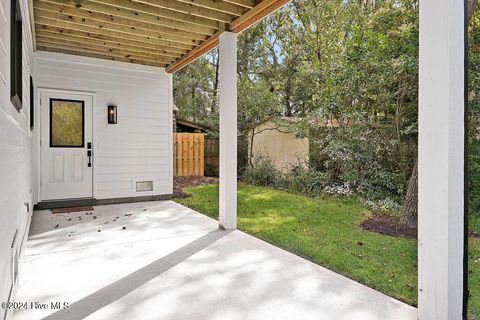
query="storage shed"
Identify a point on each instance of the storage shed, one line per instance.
(275, 141)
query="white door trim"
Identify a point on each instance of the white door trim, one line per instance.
(38, 94)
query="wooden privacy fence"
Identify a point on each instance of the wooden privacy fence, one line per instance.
(188, 154)
(212, 155)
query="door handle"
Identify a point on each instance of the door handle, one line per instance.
(89, 154)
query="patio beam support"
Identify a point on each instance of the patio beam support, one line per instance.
(442, 108)
(228, 129)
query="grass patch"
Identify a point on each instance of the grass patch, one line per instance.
(326, 231)
(474, 278)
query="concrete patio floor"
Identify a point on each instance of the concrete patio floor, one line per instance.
(160, 260)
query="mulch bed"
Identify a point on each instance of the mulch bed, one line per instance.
(474, 234)
(390, 226)
(181, 182)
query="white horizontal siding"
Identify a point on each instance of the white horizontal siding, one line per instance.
(139, 146)
(16, 154)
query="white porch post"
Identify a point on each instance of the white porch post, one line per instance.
(228, 129)
(441, 160)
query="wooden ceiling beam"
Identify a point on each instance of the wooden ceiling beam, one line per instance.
(203, 8)
(151, 12)
(101, 37)
(102, 51)
(260, 11)
(194, 54)
(44, 41)
(100, 20)
(148, 45)
(105, 43)
(46, 23)
(179, 21)
(106, 26)
(248, 4)
(174, 8)
(98, 56)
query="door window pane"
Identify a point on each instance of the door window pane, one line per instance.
(66, 123)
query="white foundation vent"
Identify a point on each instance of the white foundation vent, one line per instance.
(144, 186)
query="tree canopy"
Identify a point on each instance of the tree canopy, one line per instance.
(355, 62)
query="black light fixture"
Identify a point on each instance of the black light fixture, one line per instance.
(112, 114)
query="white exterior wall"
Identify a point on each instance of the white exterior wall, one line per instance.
(139, 146)
(15, 156)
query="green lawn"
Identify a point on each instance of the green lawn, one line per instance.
(327, 232)
(474, 278)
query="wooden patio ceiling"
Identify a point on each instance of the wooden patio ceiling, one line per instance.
(164, 33)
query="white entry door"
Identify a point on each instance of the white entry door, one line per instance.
(66, 146)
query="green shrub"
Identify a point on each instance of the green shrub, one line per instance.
(344, 172)
(263, 173)
(474, 185)
(302, 179)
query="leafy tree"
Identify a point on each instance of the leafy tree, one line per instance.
(349, 70)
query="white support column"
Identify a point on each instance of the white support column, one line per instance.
(228, 129)
(441, 160)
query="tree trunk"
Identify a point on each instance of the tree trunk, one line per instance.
(471, 6)
(410, 206)
(250, 155)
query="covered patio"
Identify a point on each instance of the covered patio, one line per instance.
(159, 260)
(171, 262)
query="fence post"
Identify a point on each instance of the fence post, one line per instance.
(202, 154)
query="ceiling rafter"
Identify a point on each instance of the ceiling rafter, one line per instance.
(167, 18)
(104, 43)
(116, 24)
(60, 19)
(172, 7)
(117, 51)
(99, 36)
(45, 23)
(98, 55)
(197, 5)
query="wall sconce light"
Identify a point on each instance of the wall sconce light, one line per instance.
(112, 114)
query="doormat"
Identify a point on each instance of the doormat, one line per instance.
(74, 209)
